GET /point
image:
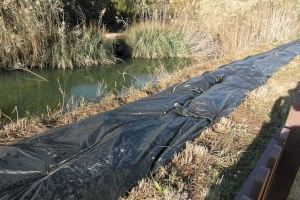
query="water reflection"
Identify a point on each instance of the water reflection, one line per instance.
(89, 92)
(31, 94)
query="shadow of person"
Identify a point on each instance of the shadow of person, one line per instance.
(289, 164)
(234, 176)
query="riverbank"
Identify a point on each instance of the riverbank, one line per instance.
(32, 125)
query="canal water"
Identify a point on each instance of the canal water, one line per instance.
(22, 92)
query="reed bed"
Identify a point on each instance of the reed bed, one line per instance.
(27, 30)
(82, 47)
(210, 29)
(35, 34)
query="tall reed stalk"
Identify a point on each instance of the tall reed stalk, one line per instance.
(27, 30)
(34, 34)
(239, 26)
(209, 28)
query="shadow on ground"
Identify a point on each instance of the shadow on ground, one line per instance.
(234, 176)
(289, 164)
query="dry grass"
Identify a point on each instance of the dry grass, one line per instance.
(265, 23)
(211, 29)
(244, 25)
(27, 28)
(215, 165)
(34, 34)
(80, 47)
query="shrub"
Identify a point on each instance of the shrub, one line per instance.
(152, 40)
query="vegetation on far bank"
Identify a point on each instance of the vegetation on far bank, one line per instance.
(39, 34)
(34, 34)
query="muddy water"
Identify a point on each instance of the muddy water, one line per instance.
(22, 93)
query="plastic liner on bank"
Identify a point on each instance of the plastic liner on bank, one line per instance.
(104, 156)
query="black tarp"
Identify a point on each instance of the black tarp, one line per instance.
(102, 157)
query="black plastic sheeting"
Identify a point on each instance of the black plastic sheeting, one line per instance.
(104, 156)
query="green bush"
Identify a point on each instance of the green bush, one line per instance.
(153, 40)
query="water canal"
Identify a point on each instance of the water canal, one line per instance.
(24, 93)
